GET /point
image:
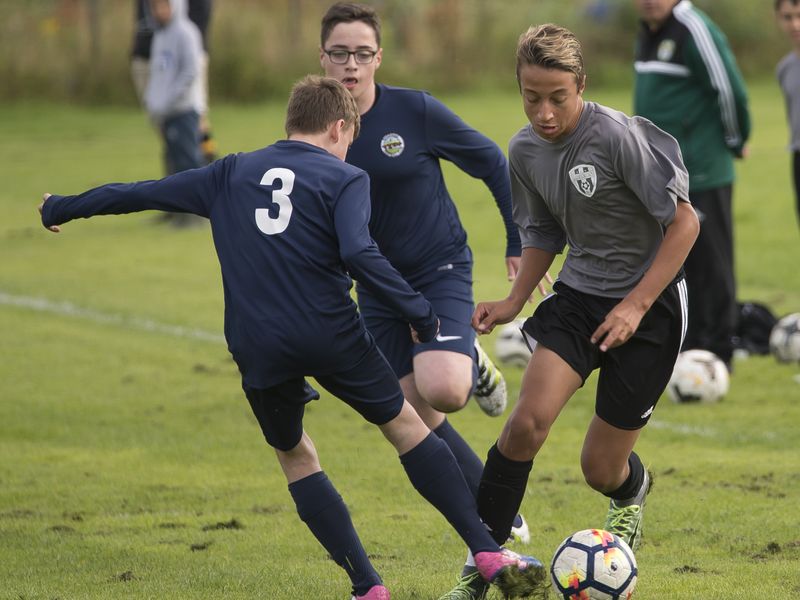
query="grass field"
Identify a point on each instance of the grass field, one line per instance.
(131, 467)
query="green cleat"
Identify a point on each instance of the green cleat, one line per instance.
(490, 391)
(470, 586)
(625, 516)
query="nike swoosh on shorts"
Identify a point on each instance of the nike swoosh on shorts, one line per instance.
(447, 338)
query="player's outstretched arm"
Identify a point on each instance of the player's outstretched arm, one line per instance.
(53, 228)
(190, 191)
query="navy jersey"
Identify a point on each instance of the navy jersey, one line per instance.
(289, 221)
(414, 220)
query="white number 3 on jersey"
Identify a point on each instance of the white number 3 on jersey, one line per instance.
(280, 196)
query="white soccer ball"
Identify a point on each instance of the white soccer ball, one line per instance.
(698, 376)
(510, 347)
(594, 564)
(784, 340)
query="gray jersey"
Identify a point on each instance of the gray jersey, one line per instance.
(608, 190)
(788, 72)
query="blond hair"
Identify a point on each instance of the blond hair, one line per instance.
(552, 47)
(316, 102)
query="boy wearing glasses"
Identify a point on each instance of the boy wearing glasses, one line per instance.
(405, 133)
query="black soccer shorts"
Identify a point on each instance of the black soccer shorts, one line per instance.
(632, 376)
(370, 387)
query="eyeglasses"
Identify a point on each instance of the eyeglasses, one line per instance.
(341, 57)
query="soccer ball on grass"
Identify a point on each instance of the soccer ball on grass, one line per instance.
(698, 376)
(594, 564)
(784, 340)
(510, 347)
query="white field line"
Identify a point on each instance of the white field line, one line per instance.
(708, 432)
(68, 309)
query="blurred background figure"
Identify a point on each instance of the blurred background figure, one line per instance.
(687, 82)
(199, 13)
(788, 14)
(172, 97)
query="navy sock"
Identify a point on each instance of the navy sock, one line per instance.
(501, 491)
(469, 463)
(321, 508)
(631, 486)
(434, 473)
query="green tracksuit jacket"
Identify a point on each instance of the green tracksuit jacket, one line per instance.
(688, 84)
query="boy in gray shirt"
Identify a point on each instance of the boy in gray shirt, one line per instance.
(787, 13)
(173, 95)
(614, 189)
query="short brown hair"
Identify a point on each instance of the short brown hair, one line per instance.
(348, 12)
(552, 47)
(316, 102)
(778, 3)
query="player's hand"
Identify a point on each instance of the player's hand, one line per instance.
(618, 327)
(489, 314)
(415, 335)
(512, 268)
(53, 228)
(541, 287)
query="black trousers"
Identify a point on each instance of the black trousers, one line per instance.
(710, 277)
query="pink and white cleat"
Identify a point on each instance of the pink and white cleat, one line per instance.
(376, 592)
(515, 575)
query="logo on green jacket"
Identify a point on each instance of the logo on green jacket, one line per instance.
(666, 50)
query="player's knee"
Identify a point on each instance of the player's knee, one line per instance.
(525, 434)
(599, 477)
(445, 395)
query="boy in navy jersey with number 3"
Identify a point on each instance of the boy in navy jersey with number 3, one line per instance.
(289, 218)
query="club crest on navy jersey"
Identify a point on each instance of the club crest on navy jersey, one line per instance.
(584, 178)
(392, 145)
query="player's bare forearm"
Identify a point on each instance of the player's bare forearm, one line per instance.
(679, 238)
(623, 320)
(532, 268)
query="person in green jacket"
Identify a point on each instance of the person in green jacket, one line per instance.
(688, 84)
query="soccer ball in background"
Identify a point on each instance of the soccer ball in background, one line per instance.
(594, 564)
(510, 347)
(784, 341)
(698, 376)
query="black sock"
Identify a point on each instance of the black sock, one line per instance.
(633, 484)
(434, 473)
(469, 463)
(501, 491)
(321, 508)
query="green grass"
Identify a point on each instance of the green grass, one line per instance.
(131, 467)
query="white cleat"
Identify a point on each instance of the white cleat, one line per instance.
(519, 531)
(490, 392)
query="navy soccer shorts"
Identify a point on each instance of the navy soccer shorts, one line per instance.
(370, 387)
(632, 376)
(449, 289)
